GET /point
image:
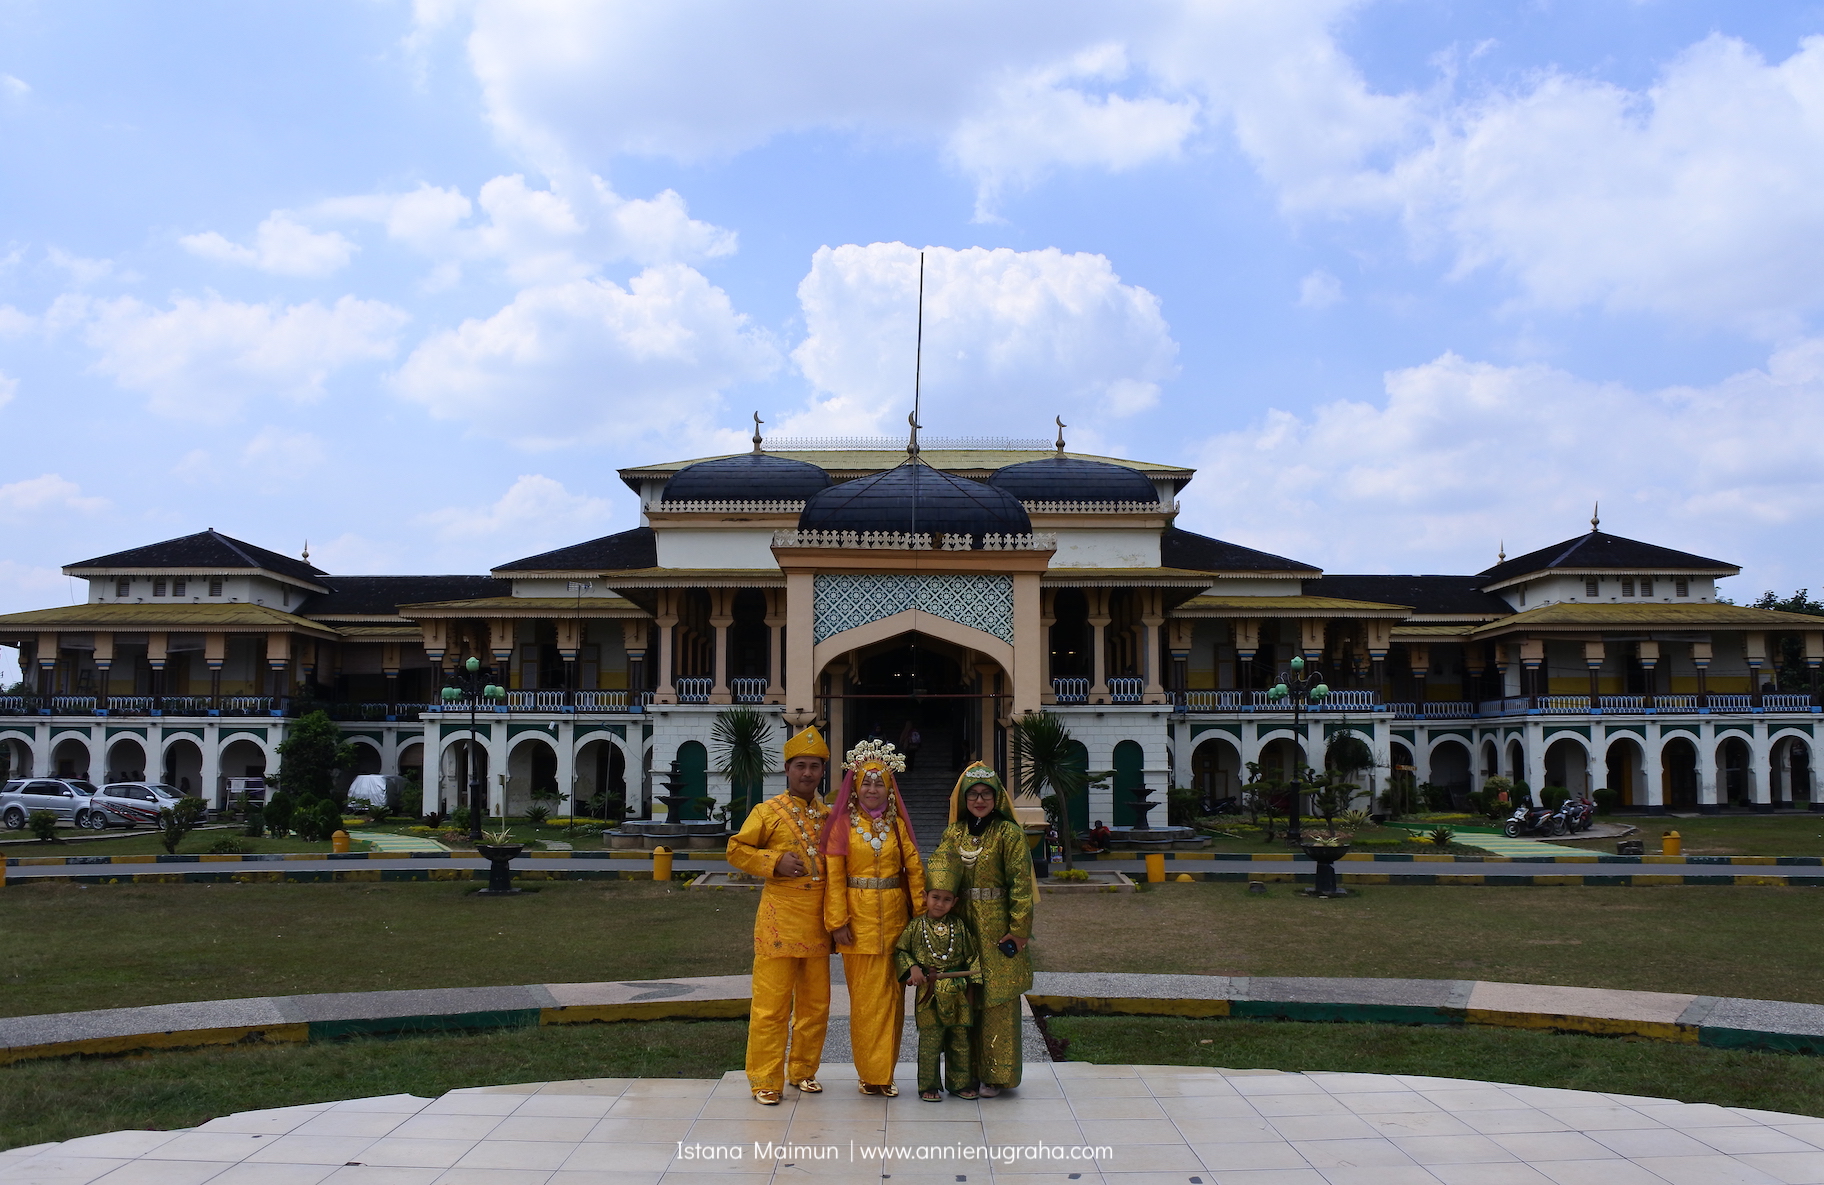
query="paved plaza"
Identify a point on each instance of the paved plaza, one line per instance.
(1071, 1122)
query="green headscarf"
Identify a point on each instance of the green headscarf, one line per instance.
(980, 772)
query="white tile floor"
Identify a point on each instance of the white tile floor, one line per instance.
(1159, 1125)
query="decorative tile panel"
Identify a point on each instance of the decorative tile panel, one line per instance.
(845, 601)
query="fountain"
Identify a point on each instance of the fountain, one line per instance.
(676, 831)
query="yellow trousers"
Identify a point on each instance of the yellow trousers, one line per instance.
(877, 1013)
(788, 994)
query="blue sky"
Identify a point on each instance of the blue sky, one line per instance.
(1404, 280)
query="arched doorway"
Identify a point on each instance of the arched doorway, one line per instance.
(183, 767)
(1216, 771)
(693, 771)
(1079, 806)
(1130, 775)
(1491, 759)
(70, 758)
(531, 770)
(1623, 762)
(15, 758)
(1403, 796)
(1678, 773)
(601, 776)
(1450, 769)
(1516, 760)
(126, 760)
(455, 775)
(367, 761)
(1791, 773)
(1567, 766)
(1735, 773)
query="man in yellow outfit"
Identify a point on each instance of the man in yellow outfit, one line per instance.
(778, 842)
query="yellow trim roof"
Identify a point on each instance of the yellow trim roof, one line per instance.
(1288, 607)
(538, 606)
(236, 617)
(1574, 615)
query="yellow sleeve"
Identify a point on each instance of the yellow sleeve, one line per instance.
(747, 848)
(915, 871)
(836, 895)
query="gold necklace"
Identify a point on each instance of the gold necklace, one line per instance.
(797, 814)
(948, 933)
(874, 831)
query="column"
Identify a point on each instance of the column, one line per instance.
(775, 645)
(721, 616)
(1380, 641)
(1700, 658)
(155, 658)
(1183, 632)
(634, 638)
(1648, 653)
(1311, 639)
(278, 661)
(215, 653)
(436, 635)
(1814, 658)
(1418, 654)
(1098, 645)
(1475, 661)
(1532, 661)
(211, 776)
(1048, 617)
(1760, 768)
(566, 764)
(800, 635)
(47, 665)
(104, 662)
(569, 648)
(1593, 657)
(1653, 773)
(1152, 616)
(389, 666)
(1029, 641)
(1706, 770)
(1754, 650)
(503, 635)
(837, 737)
(668, 622)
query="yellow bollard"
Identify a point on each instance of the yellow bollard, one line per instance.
(1185, 878)
(1155, 868)
(339, 841)
(661, 864)
(1672, 844)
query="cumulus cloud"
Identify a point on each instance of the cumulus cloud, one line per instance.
(203, 358)
(1010, 337)
(283, 450)
(9, 387)
(1319, 290)
(535, 513)
(585, 359)
(282, 245)
(45, 493)
(1461, 455)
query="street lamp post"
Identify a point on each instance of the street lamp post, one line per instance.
(470, 688)
(1303, 687)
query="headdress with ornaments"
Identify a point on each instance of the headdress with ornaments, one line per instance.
(982, 773)
(809, 743)
(944, 875)
(865, 758)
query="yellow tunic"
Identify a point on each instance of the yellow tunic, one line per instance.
(877, 1001)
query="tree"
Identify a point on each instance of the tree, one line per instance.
(176, 821)
(311, 754)
(743, 739)
(1793, 673)
(1047, 758)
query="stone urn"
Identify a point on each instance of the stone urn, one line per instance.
(500, 870)
(1326, 856)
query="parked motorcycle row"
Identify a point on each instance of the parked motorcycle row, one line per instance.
(1573, 816)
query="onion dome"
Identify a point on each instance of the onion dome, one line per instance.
(915, 498)
(1073, 479)
(748, 477)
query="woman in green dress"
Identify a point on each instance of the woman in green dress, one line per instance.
(985, 842)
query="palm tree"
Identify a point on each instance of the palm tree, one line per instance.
(1046, 757)
(743, 739)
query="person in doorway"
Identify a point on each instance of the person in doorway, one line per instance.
(938, 958)
(988, 846)
(877, 883)
(909, 741)
(778, 842)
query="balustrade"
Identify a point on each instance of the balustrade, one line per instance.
(1071, 691)
(1124, 689)
(747, 691)
(694, 689)
(1786, 703)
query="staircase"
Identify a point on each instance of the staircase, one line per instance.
(927, 788)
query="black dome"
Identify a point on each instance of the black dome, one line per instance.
(749, 477)
(1072, 479)
(916, 498)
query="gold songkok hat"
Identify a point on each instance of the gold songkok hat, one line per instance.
(808, 743)
(943, 875)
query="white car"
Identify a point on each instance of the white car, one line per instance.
(131, 803)
(67, 798)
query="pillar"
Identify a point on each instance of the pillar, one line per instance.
(1182, 633)
(215, 653)
(1029, 640)
(836, 732)
(1152, 616)
(634, 638)
(1048, 617)
(566, 763)
(1593, 658)
(1706, 770)
(775, 645)
(1475, 661)
(1419, 655)
(155, 658)
(1247, 645)
(800, 633)
(502, 637)
(1648, 653)
(1760, 768)
(1652, 771)
(278, 661)
(721, 616)
(1098, 645)
(1814, 658)
(389, 666)
(1532, 662)
(104, 663)
(1754, 651)
(668, 624)
(1311, 638)
(47, 664)
(1700, 658)
(569, 648)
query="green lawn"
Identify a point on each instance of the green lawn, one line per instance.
(1689, 1073)
(59, 1100)
(143, 841)
(1784, 834)
(71, 947)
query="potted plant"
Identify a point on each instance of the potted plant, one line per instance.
(499, 849)
(1330, 797)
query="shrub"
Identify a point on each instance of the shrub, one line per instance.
(1606, 800)
(177, 821)
(1355, 820)
(1181, 804)
(459, 818)
(227, 846)
(313, 750)
(1552, 797)
(537, 813)
(44, 826)
(375, 810)
(1437, 798)
(278, 813)
(255, 822)
(431, 821)
(1441, 836)
(1070, 874)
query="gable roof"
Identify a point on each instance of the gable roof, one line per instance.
(1600, 551)
(1187, 549)
(620, 552)
(203, 551)
(381, 596)
(1427, 596)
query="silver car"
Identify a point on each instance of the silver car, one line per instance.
(132, 803)
(67, 798)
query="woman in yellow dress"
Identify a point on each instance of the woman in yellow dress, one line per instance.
(986, 842)
(877, 884)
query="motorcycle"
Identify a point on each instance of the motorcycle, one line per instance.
(1532, 820)
(1578, 815)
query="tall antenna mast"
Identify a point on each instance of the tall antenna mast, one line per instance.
(918, 361)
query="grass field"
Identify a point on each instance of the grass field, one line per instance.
(143, 841)
(1689, 1073)
(1784, 834)
(60, 1100)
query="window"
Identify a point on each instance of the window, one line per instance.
(1646, 586)
(178, 585)
(1627, 586)
(1523, 594)
(158, 588)
(215, 586)
(287, 591)
(1592, 588)
(123, 588)
(1681, 588)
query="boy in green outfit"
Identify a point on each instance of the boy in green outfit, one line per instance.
(936, 955)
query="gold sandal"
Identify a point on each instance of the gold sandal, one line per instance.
(768, 1098)
(887, 1091)
(809, 1086)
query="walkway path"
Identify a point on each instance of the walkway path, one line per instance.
(1071, 1121)
(1520, 849)
(386, 841)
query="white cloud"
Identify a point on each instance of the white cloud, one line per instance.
(282, 245)
(46, 493)
(9, 387)
(1319, 290)
(1461, 455)
(16, 87)
(202, 359)
(1011, 338)
(588, 359)
(283, 450)
(82, 271)
(535, 514)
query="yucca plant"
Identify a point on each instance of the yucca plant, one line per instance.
(1047, 759)
(743, 740)
(1442, 836)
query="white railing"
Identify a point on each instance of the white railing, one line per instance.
(185, 705)
(1347, 701)
(1217, 701)
(601, 701)
(1731, 703)
(1450, 710)
(1125, 689)
(535, 701)
(747, 691)
(1564, 705)
(1071, 691)
(1675, 703)
(1100, 507)
(68, 704)
(1786, 703)
(246, 705)
(694, 689)
(12, 705)
(775, 506)
(904, 541)
(1622, 703)
(826, 444)
(129, 703)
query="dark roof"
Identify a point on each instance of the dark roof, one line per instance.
(619, 552)
(1200, 553)
(1072, 479)
(914, 497)
(372, 596)
(749, 477)
(1456, 596)
(1600, 550)
(205, 549)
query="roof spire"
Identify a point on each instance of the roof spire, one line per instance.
(1501, 554)
(912, 444)
(307, 551)
(1596, 517)
(1061, 426)
(757, 422)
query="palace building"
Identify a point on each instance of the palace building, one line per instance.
(933, 595)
